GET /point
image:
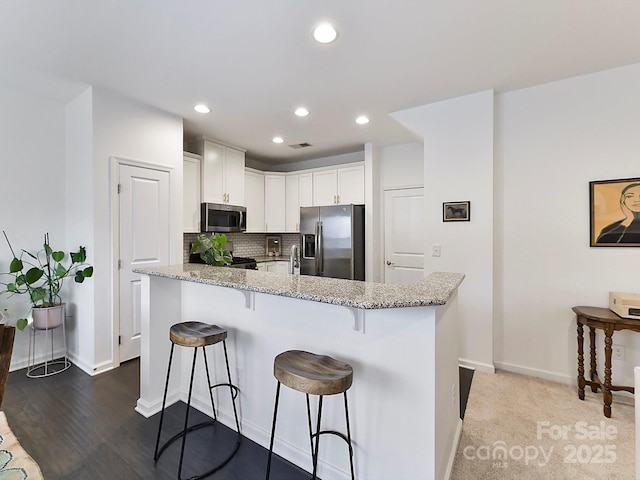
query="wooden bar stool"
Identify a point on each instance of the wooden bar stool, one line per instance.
(197, 335)
(313, 374)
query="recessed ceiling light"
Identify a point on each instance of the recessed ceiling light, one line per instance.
(362, 120)
(302, 112)
(324, 33)
(202, 108)
(278, 140)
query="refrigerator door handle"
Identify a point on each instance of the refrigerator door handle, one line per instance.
(319, 259)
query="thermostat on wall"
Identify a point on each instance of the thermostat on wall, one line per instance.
(627, 305)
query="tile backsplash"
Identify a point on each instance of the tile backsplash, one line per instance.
(247, 244)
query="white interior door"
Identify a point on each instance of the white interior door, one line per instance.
(404, 230)
(144, 241)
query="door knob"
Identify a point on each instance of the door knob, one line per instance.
(389, 263)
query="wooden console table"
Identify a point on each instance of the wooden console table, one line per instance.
(608, 321)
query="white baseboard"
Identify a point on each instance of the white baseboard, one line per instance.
(24, 362)
(534, 372)
(454, 449)
(481, 367)
(148, 409)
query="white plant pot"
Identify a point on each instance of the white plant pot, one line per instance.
(46, 318)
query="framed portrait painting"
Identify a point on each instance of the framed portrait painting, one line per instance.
(456, 211)
(615, 213)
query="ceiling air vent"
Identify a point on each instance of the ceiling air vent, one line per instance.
(301, 145)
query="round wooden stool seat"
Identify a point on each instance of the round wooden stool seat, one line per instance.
(313, 374)
(196, 334)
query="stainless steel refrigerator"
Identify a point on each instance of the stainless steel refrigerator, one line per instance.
(332, 241)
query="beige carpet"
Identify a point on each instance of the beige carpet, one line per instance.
(520, 427)
(15, 463)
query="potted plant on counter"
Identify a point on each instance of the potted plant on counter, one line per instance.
(41, 275)
(212, 249)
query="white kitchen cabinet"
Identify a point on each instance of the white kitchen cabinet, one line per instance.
(292, 200)
(278, 266)
(254, 200)
(274, 203)
(350, 185)
(341, 185)
(305, 189)
(325, 187)
(191, 192)
(222, 174)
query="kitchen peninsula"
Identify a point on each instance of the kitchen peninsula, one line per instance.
(400, 339)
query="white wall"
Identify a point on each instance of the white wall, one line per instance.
(458, 166)
(401, 166)
(56, 178)
(31, 179)
(551, 140)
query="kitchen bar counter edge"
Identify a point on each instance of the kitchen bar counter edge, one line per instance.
(435, 289)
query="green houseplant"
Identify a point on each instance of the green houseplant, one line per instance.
(212, 249)
(41, 275)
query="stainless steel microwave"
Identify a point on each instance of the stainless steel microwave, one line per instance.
(219, 217)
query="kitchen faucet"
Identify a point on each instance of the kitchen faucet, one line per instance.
(294, 259)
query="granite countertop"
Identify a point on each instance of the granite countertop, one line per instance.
(436, 289)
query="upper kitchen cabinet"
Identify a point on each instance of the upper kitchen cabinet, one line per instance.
(342, 185)
(305, 189)
(275, 202)
(254, 200)
(191, 192)
(292, 200)
(223, 174)
(299, 193)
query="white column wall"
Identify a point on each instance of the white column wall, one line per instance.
(551, 141)
(458, 166)
(127, 129)
(79, 212)
(373, 255)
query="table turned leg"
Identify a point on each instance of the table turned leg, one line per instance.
(592, 355)
(608, 341)
(581, 382)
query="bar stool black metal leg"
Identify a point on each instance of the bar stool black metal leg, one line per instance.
(346, 414)
(273, 430)
(233, 398)
(164, 401)
(206, 368)
(310, 425)
(186, 416)
(315, 455)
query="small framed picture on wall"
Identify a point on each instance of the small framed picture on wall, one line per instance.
(456, 211)
(615, 213)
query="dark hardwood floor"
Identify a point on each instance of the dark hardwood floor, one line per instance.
(466, 376)
(81, 427)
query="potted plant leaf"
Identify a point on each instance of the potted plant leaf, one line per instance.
(41, 275)
(212, 249)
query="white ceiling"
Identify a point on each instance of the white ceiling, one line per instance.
(254, 61)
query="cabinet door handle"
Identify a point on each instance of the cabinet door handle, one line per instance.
(389, 263)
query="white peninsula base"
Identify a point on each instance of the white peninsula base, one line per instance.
(404, 402)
